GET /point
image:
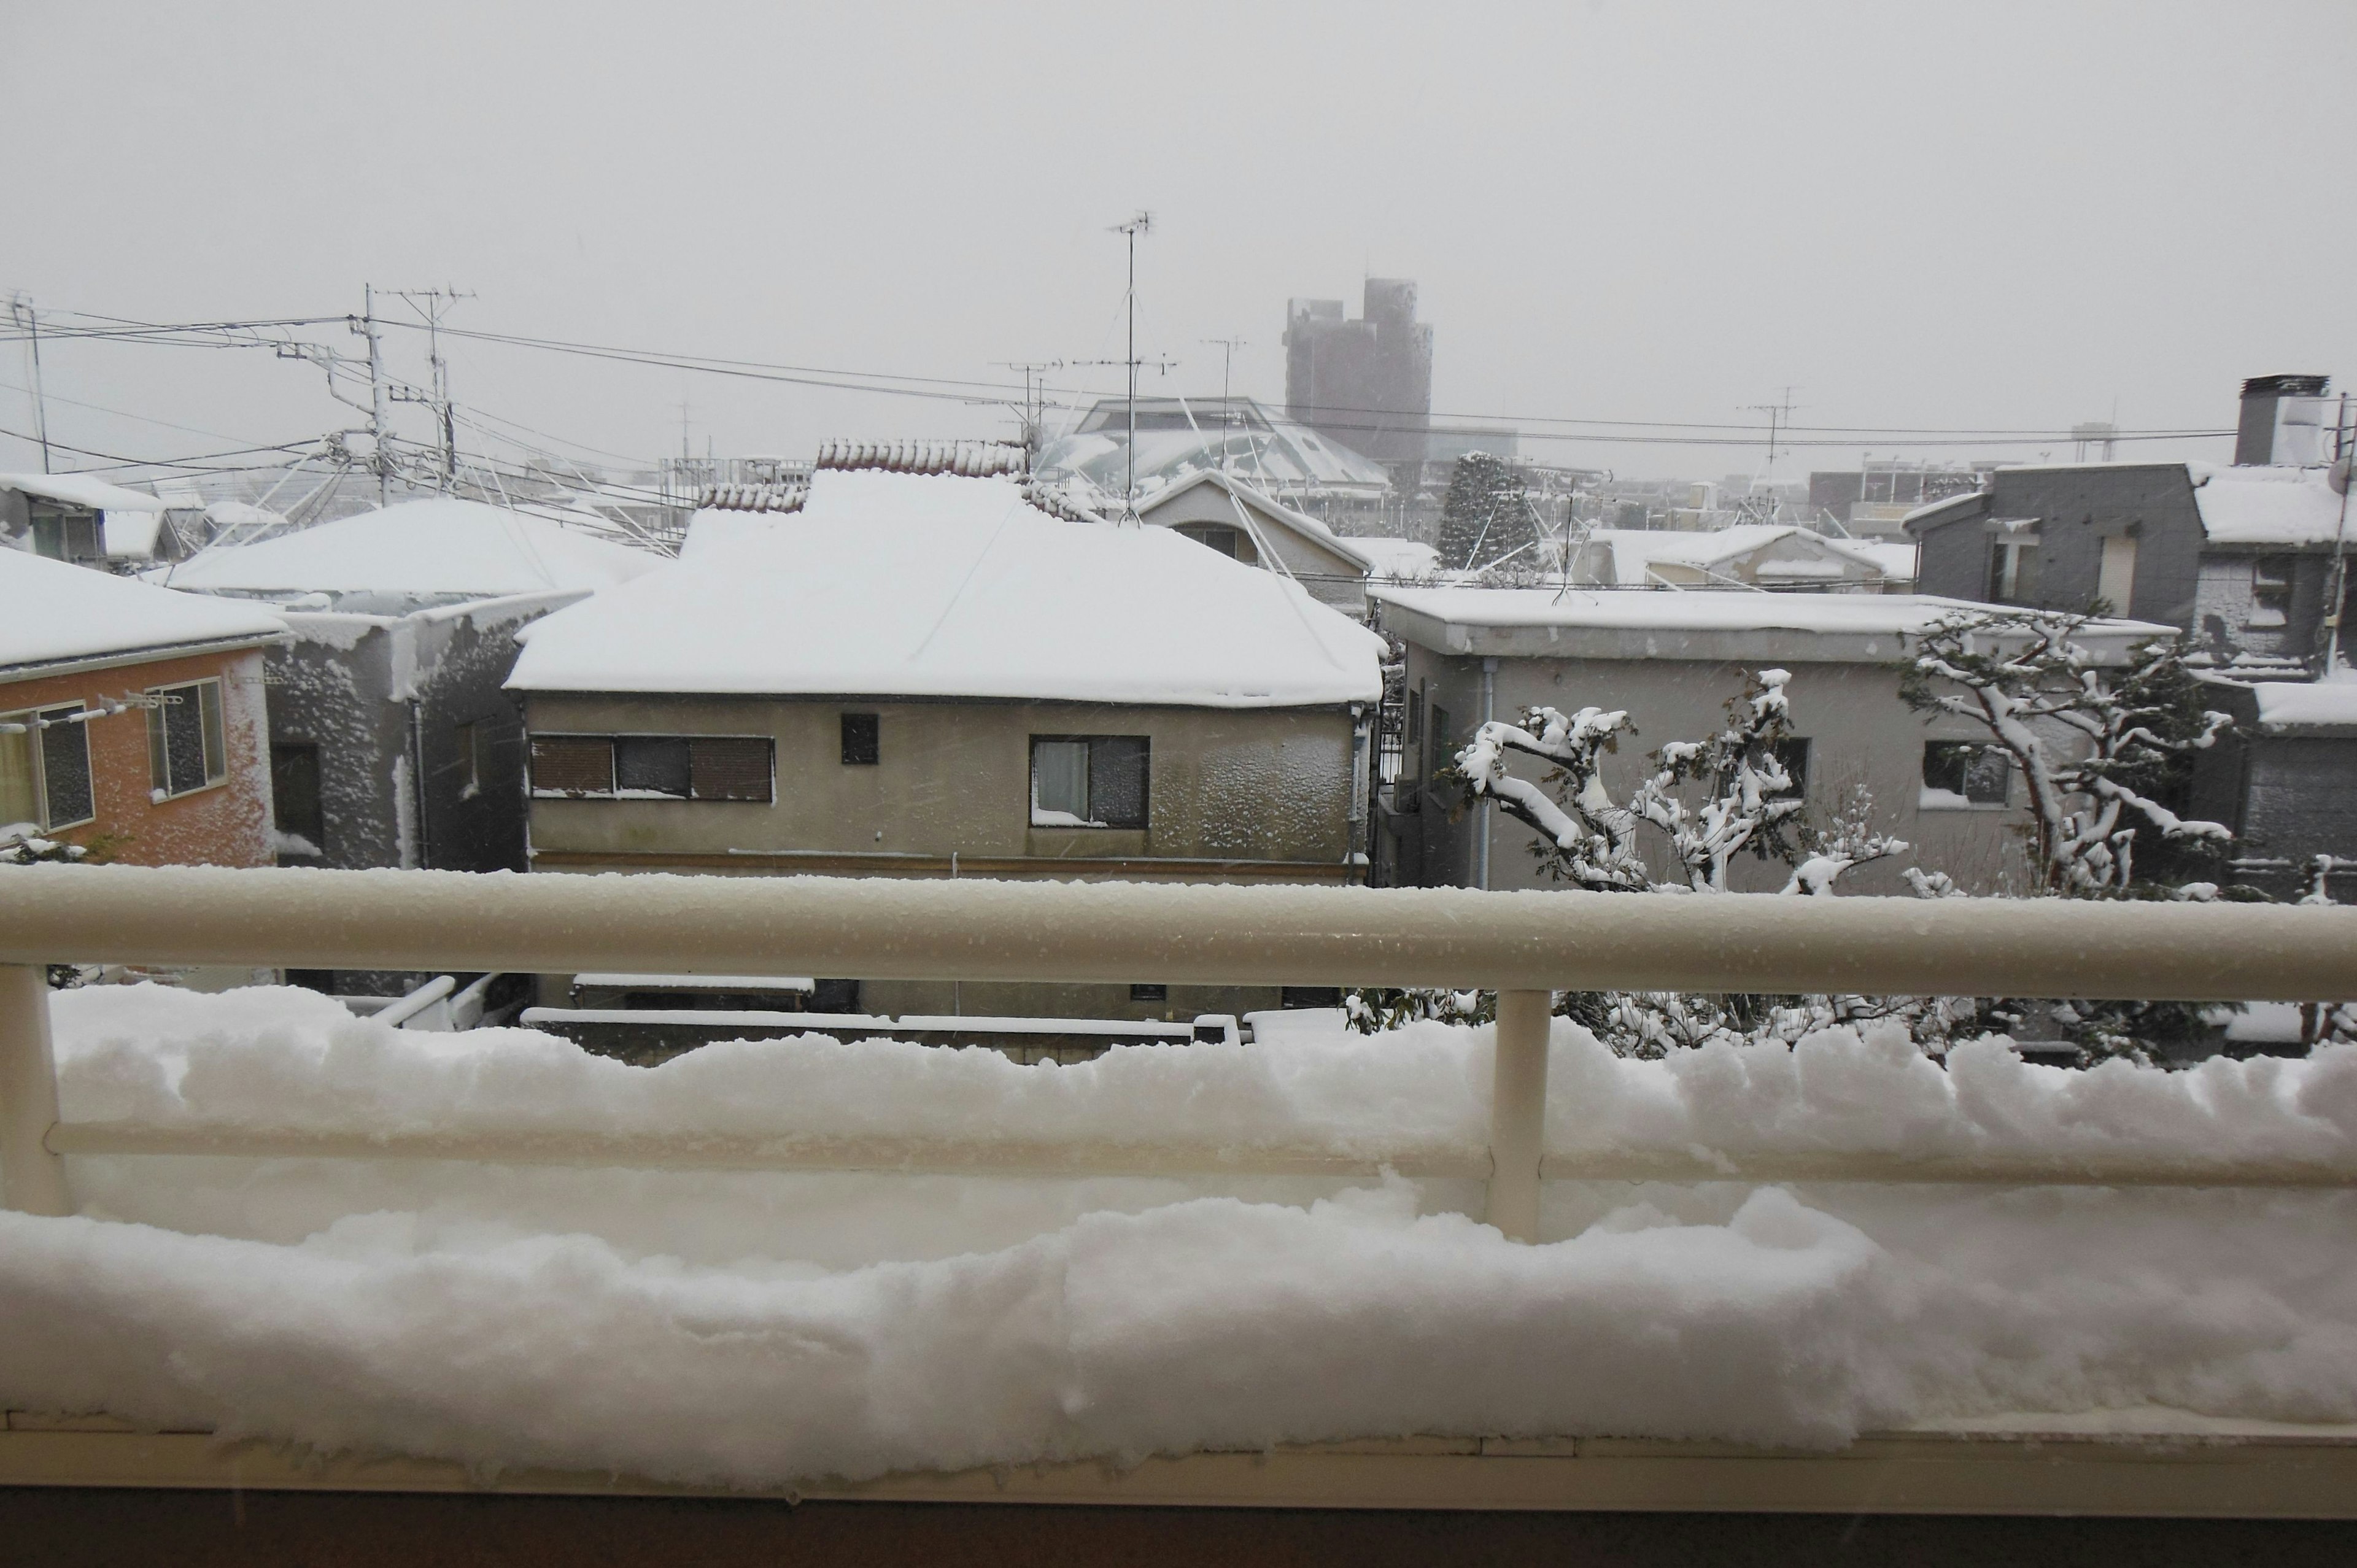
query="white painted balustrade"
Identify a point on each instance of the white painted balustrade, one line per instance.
(1522, 945)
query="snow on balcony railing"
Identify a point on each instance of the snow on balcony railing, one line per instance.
(1135, 1302)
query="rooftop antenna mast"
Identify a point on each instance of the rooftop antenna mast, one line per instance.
(1034, 401)
(20, 313)
(1227, 347)
(436, 300)
(1141, 224)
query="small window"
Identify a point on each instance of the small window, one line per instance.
(45, 777)
(731, 767)
(861, 742)
(2271, 580)
(571, 764)
(2013, 569)
(187, 750)
(1089, 782)
(67, 536)
(1966, 773)
(1222, 539)
(1437, 734)
(1310, 996)
(1793, 751)
(298, 814)
(1149, 994)
(648, 764)
(1415, 718)
(468, 742)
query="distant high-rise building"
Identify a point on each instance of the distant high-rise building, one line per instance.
(1365, 383)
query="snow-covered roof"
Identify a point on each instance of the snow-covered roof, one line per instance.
(57, 612)
(130, 535)
(1936, 511)
(82, 490)
(2331, 701)
(930, 585)
(1402, 560)
(1180, 436)
(1664, 623)
(435, 546)
(1635, 551)
(2255, 504)
(1891, 560)
(1307, 527)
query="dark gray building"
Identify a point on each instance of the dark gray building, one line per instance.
(1365, 383)
(2282, 779)
(2241, 557)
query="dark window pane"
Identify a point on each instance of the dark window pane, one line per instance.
(1310, 996)
(1439, 737)
(209, 708)
(834, 996)
(1117, 780)
(1149, 994)
(295, 804)
(729, 768)
(860, 745)
(1981, 774)
(184, 739)
(651, 765)
(571, 764)
(1793, 753)
(1415, 718)
(65, 769)
(1222, 539)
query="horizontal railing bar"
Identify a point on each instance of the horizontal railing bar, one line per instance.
(899, 1157)
(958, 1156)
(975, 929)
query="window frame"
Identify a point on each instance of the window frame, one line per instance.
(38, 723)
(281, 751)
(1964, 800)
(613, 790)
(2273, 579)
(212, 738)
(2008, 553)
(1088, 820)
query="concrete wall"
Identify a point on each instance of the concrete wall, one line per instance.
(1247, 795)
(1859, 733)
(225, 824)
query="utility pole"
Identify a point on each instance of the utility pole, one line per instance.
(436, 300)
(1228, 346)
(366, 325)
(1034, 398)
(1141, 224)
(1775, 412)
(20, 311)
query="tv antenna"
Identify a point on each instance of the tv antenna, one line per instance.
(1143, 223)
(1227, 347)
(1034, 398)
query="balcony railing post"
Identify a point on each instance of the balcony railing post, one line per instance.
(1518, 1111)
(32, 1180)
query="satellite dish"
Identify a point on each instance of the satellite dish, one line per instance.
(2339, 477)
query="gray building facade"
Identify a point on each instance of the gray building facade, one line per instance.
(1366, 383)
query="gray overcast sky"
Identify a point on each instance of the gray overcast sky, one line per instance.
(1982, 215)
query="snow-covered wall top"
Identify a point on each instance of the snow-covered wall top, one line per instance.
(437, 546)
(82, 490)
(2331, 701)
(932, 585)
(1889, 614)
(56, 611)
(2270, 505)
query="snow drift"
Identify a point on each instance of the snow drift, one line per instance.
(752, 1328)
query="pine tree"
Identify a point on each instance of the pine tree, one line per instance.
(1487, 515)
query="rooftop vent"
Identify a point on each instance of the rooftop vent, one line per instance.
(2283, 421)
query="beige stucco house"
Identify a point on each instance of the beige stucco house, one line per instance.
(923, 675)
(1671, 661)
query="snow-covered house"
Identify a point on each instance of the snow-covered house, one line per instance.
(1671, 661)
(392, 739)
(1748, 555)
(926, 675)
(130, 717)
(1244, 524)
(2282, 778)
(2239, 556)
(84, 520)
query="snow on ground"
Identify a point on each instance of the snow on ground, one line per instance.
(752, 1328)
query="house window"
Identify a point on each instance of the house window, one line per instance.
(1415, 718)
(1222, 539)
(2013, 569)
(2271, 591)
(1149, 994)
(1089, 782)
(1308, 996)
(861, 743)
(186, 751)
(44, 768)
(1439, 734)
(67, 536)
(1792, 752)
(298, 814)
(1964, 773)
(469, 743)
(653, 767)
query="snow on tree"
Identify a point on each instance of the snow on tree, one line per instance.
(2096, 752)
(1487, 515)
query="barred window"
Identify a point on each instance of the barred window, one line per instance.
(1090, 780)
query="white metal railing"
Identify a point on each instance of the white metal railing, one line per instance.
(1522, 945)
